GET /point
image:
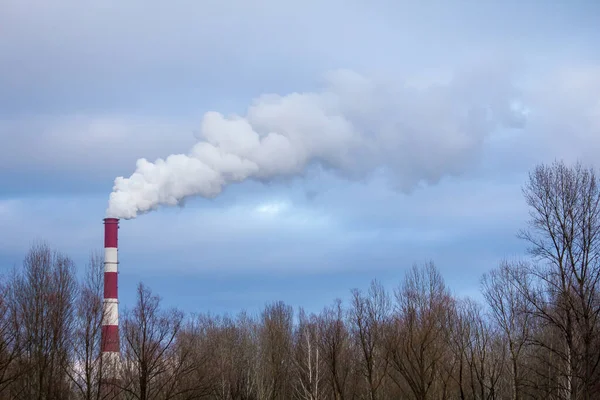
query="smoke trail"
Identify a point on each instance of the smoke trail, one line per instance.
(354, 125)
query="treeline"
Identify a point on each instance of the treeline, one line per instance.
(536, 336)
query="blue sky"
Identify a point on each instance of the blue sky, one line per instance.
(87, 89)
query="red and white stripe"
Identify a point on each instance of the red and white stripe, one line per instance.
(110, 348)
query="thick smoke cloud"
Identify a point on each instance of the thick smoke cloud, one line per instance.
(354, 126)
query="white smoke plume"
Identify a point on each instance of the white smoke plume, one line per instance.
(354, 126)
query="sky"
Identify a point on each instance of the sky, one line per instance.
(453, 104)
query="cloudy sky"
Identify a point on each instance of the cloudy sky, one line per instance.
(445, 106)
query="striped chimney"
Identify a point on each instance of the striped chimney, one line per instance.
(110, 348)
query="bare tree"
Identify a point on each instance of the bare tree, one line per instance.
(564, 235)
(308, 358)
(246, 348)
(10, 340)
(512, 313)
(85, 369)
(459, 342)
(369, 317)
(421, 331)
(485, 353)
(336, 349)
(204, 338)
(43, 294)
(275, 344)
(151, 361)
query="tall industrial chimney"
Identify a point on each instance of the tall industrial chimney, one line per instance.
(110, 348)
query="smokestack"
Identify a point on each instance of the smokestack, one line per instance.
(110, 348)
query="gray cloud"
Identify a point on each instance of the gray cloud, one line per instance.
(566, 112)
(67, 54)
(84, 83)
(69, 152)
